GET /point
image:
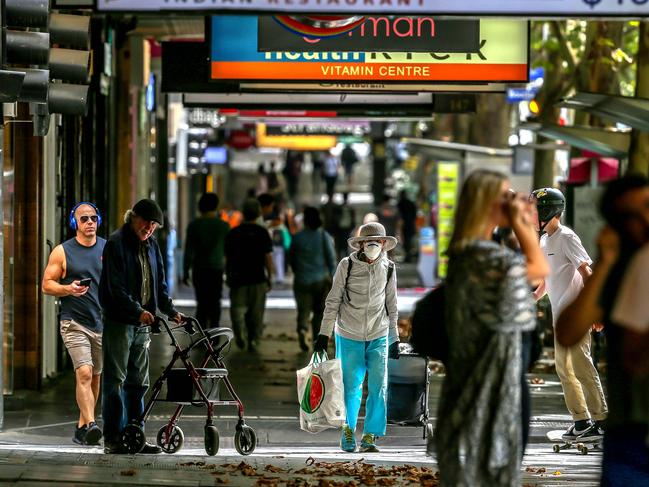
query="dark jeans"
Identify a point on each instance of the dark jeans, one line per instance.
(125, 378)
(626, 457)
(208, 285)
(331, 184)
(408, 235)
(247, 305)
(310, 298)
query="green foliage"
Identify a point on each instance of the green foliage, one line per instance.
(571, 50)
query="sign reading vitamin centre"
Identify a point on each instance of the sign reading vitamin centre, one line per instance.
(502, 56)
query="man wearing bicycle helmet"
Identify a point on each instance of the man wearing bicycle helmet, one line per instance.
(569, 267)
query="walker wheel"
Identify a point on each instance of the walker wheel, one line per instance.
(556, 448)
(211, 440)
(245, 440)
(170, 443)
(133, 438)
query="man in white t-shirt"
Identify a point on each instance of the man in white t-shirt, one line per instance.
(569, 267)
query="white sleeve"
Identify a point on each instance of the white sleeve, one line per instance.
(575, 251)
(631, 309)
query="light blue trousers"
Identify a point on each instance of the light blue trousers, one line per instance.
(357, 358)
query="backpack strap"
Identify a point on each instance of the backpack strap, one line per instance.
(390, 272)
(387, 281)
(349, 271)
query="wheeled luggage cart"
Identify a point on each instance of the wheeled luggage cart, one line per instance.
(408, 387)
(192, 386)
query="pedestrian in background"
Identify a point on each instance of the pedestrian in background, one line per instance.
(72, 274)
(331, 167)
(249, 272)
(362, 309)
(292, 172)
(408, 212)
(569, 268)
(345, 224)
(615, 294)
(349, 160)
(131, 290)
(312, 259)
(262, 180)
(276, 185)
(487, 306)
(203, 260)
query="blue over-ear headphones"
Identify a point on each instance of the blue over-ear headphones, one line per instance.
(73, 221)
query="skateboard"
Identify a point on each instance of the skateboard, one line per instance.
(582, 446)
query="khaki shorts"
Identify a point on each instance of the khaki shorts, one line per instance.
(84, 345)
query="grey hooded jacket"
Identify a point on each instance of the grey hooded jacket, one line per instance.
(371, 310)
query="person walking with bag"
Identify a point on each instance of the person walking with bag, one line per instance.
(487, 306)
(312, 260)
(362, 308)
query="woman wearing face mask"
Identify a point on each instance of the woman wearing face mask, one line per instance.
(362, 308)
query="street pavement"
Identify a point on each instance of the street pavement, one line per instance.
(36, 447)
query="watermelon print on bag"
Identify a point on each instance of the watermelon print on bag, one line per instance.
(314, 393)
(320, 394)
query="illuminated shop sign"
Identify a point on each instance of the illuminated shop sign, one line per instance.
(544, 8)
(379, 34)
(502, 57)
(318, 128)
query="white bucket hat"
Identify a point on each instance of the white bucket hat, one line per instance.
(372, 231)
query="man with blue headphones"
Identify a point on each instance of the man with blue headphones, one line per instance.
(72, 274)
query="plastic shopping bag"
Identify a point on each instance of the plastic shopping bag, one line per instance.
(320, 394)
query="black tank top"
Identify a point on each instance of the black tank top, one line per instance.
(82, 262)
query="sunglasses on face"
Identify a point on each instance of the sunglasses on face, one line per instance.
(85, 218)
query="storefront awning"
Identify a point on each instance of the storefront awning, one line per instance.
(630, 111)
(607, 143)
(580, 167)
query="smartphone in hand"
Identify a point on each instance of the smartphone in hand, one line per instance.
(85, 282)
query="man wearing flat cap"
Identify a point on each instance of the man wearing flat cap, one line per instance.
(131, 290)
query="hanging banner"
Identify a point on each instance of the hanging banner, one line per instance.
(448, 174)
(523, 8)
(502, 57)
(357, 129)
(378, 34)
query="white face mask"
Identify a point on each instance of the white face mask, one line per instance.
(372, 250)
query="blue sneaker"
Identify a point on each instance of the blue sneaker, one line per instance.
(368, 443)
(347, 440)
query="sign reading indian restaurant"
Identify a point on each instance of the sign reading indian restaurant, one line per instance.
(473, 8)
(502, 56)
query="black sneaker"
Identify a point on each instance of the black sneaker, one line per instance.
(591, 434)
(575, 432)
(80, 435)
(93, 434)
